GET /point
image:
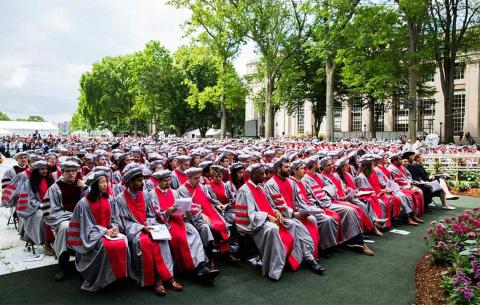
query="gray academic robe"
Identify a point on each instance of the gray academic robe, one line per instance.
(229, 213)
(57, 217)
(364, 205)
(132, 228)
(407, 203)
(29, 209)
(87, 240)
(351, 226)
(327, 226)
(195, 218)
(194, 241)
(266, 234)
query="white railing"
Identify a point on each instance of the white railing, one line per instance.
(456, 165)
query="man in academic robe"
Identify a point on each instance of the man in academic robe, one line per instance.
(178, 174)
(279, 239)
(61, 199)
(102, 255)
(7, 187)
(206, 217)
(403, 178)
(152, 261)
(186, 244)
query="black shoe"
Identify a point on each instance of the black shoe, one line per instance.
(60, 275)
(315, 267)
(207, 276)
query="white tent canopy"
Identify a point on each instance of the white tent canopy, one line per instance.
(24, 128)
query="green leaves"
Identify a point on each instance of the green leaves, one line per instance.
(4, 117)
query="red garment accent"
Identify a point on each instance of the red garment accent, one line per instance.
(285, 190)
(21, 208)
(49, 236)
(42, 188)
(22, 201)
(73, 233)
(287, 239)
(385, 171)
(74, 242)
(152, 260)
(375, 182)
(181, 176)
(74, 224)
(337, 182)
(242, 222)
(71, 194)
(219, 189)
(85, 171)
(117, 256)
(226, 177)
(217, 222)
(23, 195)
(19, 169)
(154, 181)
(179, 241)
(311, 227)
(337, 217)
(136, 206)
(349, 181)
(101, 211)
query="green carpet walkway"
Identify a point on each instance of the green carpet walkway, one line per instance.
(386, 278)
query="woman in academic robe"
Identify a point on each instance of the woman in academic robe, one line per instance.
(101, 252)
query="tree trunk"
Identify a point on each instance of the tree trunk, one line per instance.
(448, 102)
(223, 112)
(223, 119)
(135, 128)
(412, 80)
(268, 107)
(372, 119)
(330, 72)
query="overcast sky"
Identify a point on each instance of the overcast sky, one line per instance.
(46, 45)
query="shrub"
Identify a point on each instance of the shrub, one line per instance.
(455, 243)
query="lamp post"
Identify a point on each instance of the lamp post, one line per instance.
(364, 130)
(441, 123)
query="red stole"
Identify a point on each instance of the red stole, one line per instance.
(287, 239)
(101, 211)
(336, 182)
(311, 227)
(152, 258)
(179, 242)
(199, 197)
(136, 206)
(316, 178)
(42, 188)
(181, 176)
(286, 190)
(349, 181)
(219, 190)
(385, 171)
(375, 182)
(116, 249)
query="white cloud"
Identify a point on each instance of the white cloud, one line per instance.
(13, 77)
(56, 19)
